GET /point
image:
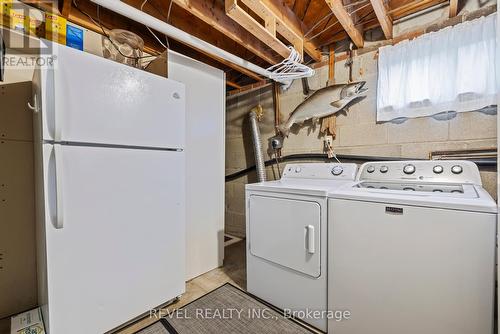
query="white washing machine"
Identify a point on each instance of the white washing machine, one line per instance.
(287, 237)
(412, 250)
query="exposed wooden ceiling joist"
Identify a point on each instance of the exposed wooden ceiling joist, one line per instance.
(308, 24)
(266, 34)
(300, 7)
(66, 8)
(453, 8)
(274, 23)
(412, 7)
(232, 84)
(114, 21)
(287, 23)
(383, 17)
(213, 13)
(346, 21)
(187, 21)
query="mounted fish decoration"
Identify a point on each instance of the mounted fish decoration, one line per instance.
(324, 102)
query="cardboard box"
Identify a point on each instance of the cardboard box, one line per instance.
(5, 9)
(29, 322)
(55, 28)
(16, 20)
(34, 27)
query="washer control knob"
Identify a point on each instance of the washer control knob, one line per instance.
(384, 169)
(457, 169)
(297, 169)
(370, 169)
(438, 169)
(409, 169)
(337, 170)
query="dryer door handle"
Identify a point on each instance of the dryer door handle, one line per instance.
(310, 239)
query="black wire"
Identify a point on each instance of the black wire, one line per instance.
(277, 162)
(166, 19)
(324, 157)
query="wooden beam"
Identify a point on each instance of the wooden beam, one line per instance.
(232, 84)
(331, 64)
(66, 8)
(270, 24)
(346, 21)
(412, 7)
(383, 18)
(453, 8)
(287, 24)
(264, 12)
(485, 11)
(238, 14)
(114, 21)
(214, 15)
(249, 88)
(335, 37)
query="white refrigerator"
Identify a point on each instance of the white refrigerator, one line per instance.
(110, 191)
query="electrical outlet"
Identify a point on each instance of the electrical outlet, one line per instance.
(328, 142)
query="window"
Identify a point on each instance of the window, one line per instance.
(449, 70)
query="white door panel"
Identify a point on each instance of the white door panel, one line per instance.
(90, 99)
(119, 248)
(286, 232)
(419, 270)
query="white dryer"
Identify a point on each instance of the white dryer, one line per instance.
(412, 250)
(287, 238)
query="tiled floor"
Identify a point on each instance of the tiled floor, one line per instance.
(233, 271)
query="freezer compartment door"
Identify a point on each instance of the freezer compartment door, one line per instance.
(89, 99)
(286, 232)
(406, 269)
(115, 234)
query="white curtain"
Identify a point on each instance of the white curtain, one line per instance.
(452, 69)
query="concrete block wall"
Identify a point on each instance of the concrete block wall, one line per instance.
(357, 133)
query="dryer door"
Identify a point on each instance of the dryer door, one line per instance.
(286, 232)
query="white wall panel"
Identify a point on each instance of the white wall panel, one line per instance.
(205, 142)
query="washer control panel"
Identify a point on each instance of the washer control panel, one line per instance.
(313, 170)
(448, 171)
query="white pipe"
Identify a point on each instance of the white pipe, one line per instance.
(137, 15)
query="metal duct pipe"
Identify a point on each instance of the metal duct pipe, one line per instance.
(253, 116)
(137, 15)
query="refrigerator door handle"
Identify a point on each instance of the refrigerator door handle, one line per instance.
(58, 223)
(33, 107)
(57, 113)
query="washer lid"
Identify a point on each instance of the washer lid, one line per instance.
(465, 197)
(421, 189)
